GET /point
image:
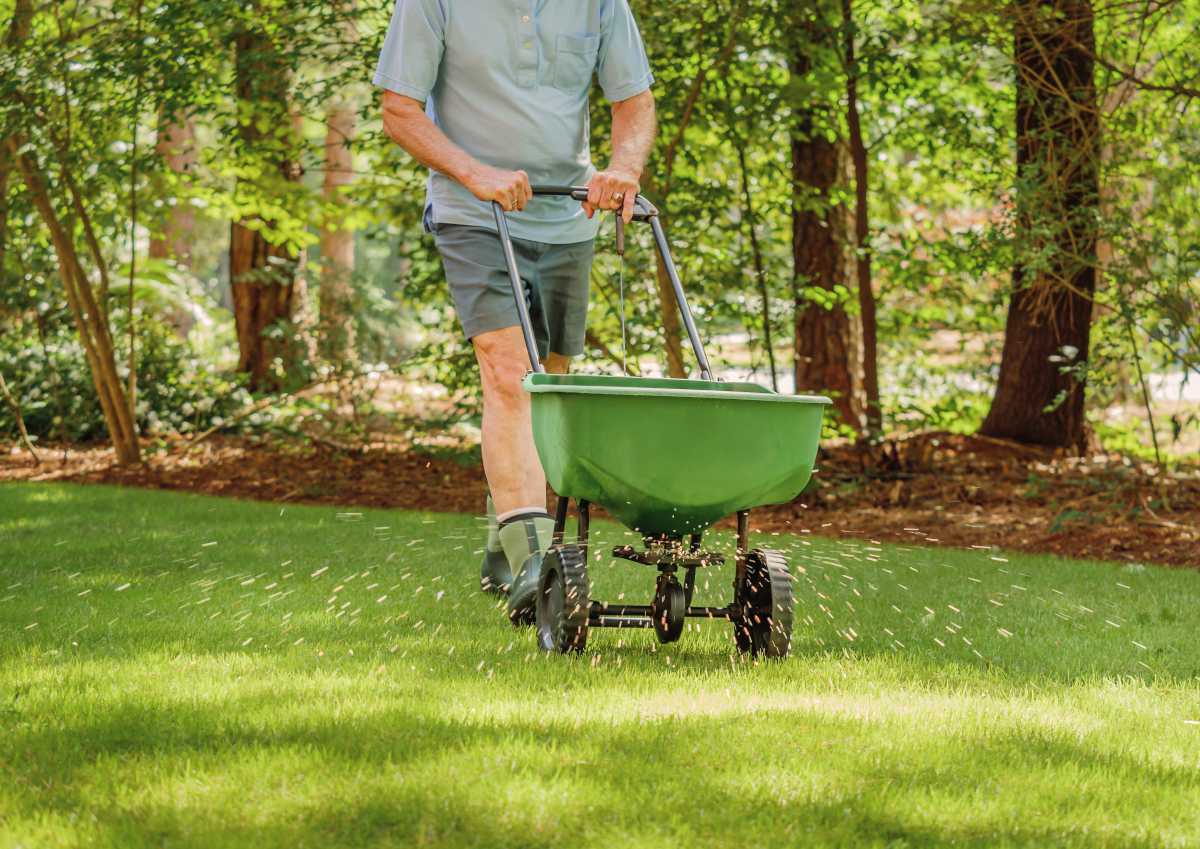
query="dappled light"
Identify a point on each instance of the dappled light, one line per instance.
(235, 672)
(456, 423)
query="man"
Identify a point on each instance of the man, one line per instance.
(492, 95)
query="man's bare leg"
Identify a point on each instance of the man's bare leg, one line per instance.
(510, 461)
(515, 477)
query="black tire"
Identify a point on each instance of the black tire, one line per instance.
(763, 626)
(521, 618)
(563, 601)
(668, 609)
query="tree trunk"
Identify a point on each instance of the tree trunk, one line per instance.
(18, 31)
(262, 275)
(90, 320)
(176, 144)
(824, 351)
(1040, 394)
(337, 241)
(862, 230)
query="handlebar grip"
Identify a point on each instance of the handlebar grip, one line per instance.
(643, 210)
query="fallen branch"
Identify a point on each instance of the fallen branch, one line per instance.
(258, 406)
(16, 409)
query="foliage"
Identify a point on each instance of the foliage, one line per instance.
(179, 391)
(90, 85)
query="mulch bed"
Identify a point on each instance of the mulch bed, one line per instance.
(928, 489)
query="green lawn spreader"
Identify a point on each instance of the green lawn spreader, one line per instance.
(667, 458)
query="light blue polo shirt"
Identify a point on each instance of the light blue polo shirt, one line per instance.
(507, 81)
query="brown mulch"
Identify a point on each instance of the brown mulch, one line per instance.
(931, 489)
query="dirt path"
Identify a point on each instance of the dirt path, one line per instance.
(931, 489)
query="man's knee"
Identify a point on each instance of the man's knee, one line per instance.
(503, 362)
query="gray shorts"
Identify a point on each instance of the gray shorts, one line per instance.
(556, 281)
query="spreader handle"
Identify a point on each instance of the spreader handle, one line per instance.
(643, 210)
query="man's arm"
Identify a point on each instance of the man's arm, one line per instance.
(405, 122)
(633, 130)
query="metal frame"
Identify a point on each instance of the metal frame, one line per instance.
(643, 210)
(667, 555)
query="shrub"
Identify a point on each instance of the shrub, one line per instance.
(177, 391)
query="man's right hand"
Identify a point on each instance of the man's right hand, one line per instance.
(509, 188)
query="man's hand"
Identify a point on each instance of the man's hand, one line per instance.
(615, 188)
(510, 188)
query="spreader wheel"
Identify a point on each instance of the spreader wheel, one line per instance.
(764, 605)
(562, 601)
(668, 609)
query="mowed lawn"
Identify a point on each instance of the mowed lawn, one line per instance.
(180, 671)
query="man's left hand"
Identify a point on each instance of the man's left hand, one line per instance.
(612, 189)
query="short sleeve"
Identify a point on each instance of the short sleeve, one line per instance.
(621, 67)
(412, 50)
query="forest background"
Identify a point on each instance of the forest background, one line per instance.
(973, 224)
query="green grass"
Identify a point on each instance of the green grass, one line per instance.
(191, 672)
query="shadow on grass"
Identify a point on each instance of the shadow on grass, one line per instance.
(395, 778)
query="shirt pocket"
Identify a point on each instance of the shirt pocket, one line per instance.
(575, 60)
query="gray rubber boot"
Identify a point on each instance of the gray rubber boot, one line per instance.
(525, 540)
(495, 575)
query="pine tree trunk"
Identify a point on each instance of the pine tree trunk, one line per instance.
(263, 287)
(1040, 394)
(824, 352)
(337, 241)
(176, 144)
(262, 275)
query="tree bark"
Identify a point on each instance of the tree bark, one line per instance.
(176, 144)
(862, 230)
(824, 352)
(90, 320)
(262, 274)
(337, 241)
(1040, 393)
